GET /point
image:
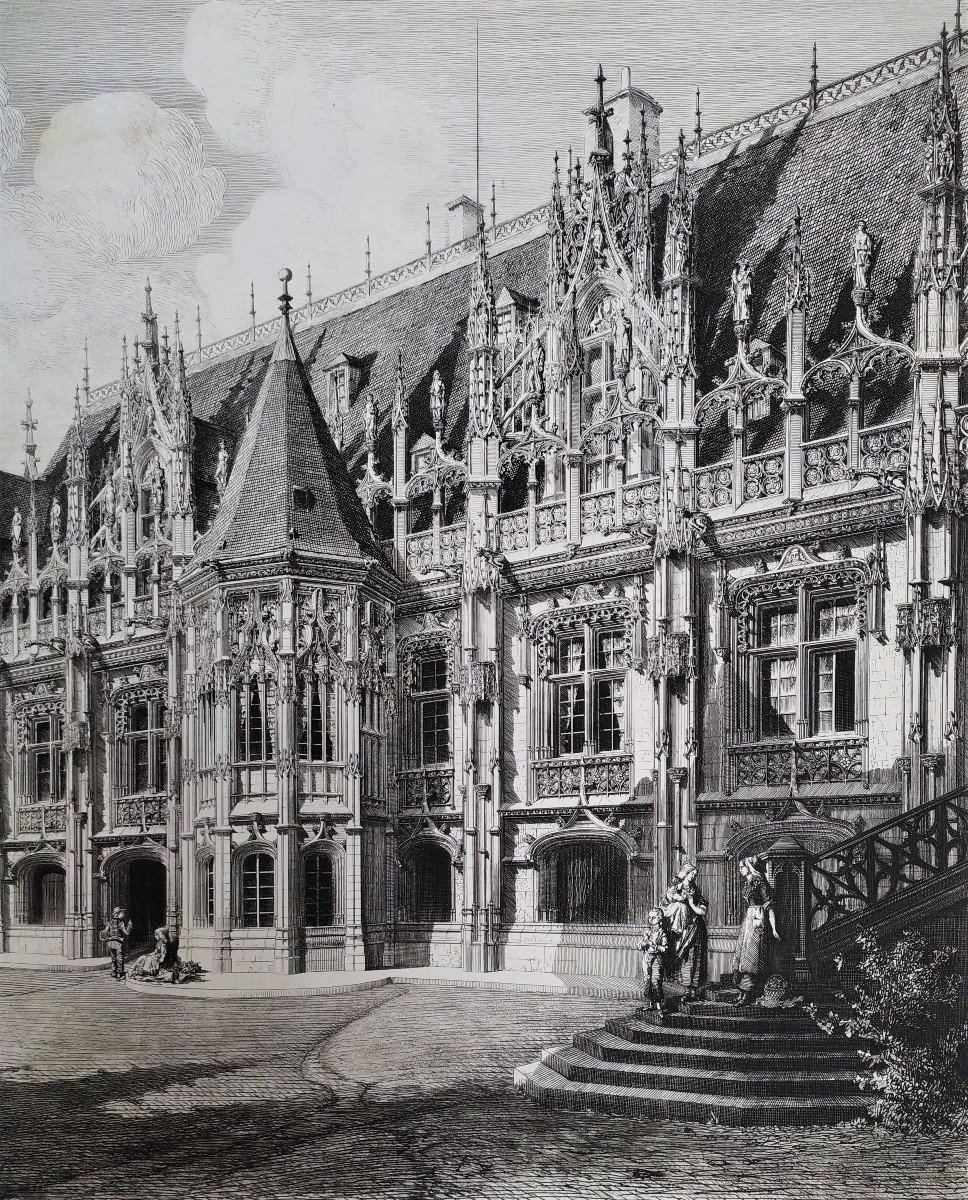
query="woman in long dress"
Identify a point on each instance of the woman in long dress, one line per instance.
(684, 908)
(758, 935)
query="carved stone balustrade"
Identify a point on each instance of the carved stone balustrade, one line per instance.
(42, 818)
(551, 523)
(825, 461)
(640, 502)
(886, 447)
(762, 476)
(433, 786)
(141, 812)
(598, 513)
(714, 486)
(569, 778)
(789, 763)
(512, 530)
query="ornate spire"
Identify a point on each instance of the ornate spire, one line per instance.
(309, 284)
(150, 322)
(398, 417)
(30, 440)
(814, 88)
(557, 273)
(602, 156)
(482, 303)
(697, 130)
(798, 280)
(677, 259)
(943, 133)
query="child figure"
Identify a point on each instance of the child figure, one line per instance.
(655, 948)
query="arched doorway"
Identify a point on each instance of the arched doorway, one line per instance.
(139, 886)
(44, 894)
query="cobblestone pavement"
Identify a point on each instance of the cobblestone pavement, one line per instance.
(403, 1091)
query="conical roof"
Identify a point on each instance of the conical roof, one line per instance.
(289, 489)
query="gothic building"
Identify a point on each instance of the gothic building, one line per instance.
(439, 621)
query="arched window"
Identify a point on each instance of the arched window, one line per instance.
(319, 889)
(45, 887)
(583, 882)
(206, 890)
(427, 884)
(257, 908)
(255, 720)
(316, 719)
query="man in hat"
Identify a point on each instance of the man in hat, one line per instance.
(115, 933)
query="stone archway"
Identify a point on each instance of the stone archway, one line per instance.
(137, 881)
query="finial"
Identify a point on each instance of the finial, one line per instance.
(627, 153)
(87, 375)
(428, 231)
(148, 308)
(571, 165)
(198, 330)
(813, 79)
(698, 127)
(369, 272)
(30, 442)
(166, 354)
(493, 205)
(252, 307)
(124, 356)
(309, 283)
(957, 29)
(77, 406)
(798, 277)
(285, 300)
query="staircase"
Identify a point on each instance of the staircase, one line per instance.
(708, 1062)
(889, 876)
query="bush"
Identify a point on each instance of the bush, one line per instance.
(901, 1012)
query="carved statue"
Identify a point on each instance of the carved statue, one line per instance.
(222, 467)
(55, 520)
(622, 337)
(536, 368)
(863, 251)
(16, 527)
(369, 423)
(758, 936)
(684, 908)
(438, 402)
(742, 288)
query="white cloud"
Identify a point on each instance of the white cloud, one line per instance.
(120, 187)
(367, 149)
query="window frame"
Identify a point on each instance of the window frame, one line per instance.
(49, 750)
(152, 736)
(422, 698)
(247, 862)
(804, 649)
(588, 679)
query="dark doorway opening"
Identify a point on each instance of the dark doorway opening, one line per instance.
(46, 899)
(146, 900)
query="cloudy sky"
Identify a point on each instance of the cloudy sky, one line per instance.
(209, 144)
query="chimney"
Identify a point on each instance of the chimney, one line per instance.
(628, 104)
(463, 218)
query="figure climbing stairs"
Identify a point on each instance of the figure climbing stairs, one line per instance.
(710, 1061)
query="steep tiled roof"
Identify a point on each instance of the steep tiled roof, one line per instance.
(861, 159)
(289, 488)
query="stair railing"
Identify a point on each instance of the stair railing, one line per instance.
(848, 886)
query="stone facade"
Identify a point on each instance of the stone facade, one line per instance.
(623, 587)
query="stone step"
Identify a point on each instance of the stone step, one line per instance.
(736, 1022)
(609, 1047)
(546, 1087)
(655, 1034)
(726, 1008)
(572, 1063)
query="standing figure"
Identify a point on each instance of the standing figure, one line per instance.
(684, 908)
(655, 948)
(758, 935)
(116, 933)
(863, 248)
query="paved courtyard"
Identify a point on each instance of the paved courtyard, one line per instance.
(398, 1092)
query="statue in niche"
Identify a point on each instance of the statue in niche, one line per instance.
(16, 527)
(863, 248)
(55, 521)
(742, 288)
(222, 467)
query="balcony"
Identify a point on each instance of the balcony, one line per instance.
(42, 819)
(433, 786)
(568, 778)
(793, 763)
(141, 812)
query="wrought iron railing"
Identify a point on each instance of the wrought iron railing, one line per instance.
(849, 881)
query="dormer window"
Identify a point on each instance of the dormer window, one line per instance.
(342, 384)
